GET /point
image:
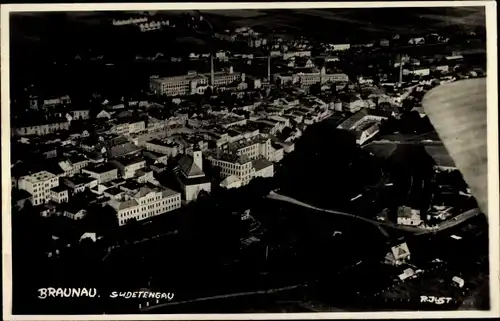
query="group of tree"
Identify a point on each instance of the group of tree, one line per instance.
(408, 123)
(328, 168)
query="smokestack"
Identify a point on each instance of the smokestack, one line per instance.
(212, 76)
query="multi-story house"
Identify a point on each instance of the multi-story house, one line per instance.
(145, 203)
(102, 172)
(59, 194)
(251, 148)
(73, 165)
(41, 129)
(78, 183)
(39, 186)
(128, 165)
(237, 165)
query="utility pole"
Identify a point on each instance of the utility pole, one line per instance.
(212, 72)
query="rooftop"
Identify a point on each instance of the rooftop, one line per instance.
(127, 161)
(101, 168)
(242, 143)
(233, 158)
(351, 121)
(40, 177)
(261, 163)
(114, 191)
(79, 179)
(58, 189)
(188, 167)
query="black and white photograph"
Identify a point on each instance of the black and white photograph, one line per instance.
(208, 160)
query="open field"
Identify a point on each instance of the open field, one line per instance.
(363, 21)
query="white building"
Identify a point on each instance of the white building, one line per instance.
(80, 114)
(421, 71)
(39, 186)
(59, 194)
(78, 183)
(135, 127)
(341, 47)
(364, 124)
(41, 129)
(252, 148)
(237, 165)
(263, 168)
(75, 214)
(191, 176)
(102, 173)
(128, 165)
(354, 104)
(145, 203)
(73, 165)
(306, 79)
(192, 83)
(297, 53)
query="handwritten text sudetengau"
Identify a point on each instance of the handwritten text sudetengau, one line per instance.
(44, 293)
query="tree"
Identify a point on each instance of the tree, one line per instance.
(337, 160)
(315, 89)
(333, 88)
(208, 92)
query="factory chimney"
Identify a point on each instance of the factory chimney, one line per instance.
(212, 76)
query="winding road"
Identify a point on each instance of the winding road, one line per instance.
(416, 230)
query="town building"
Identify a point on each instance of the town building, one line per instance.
(79, 183)
(101, 172)
(75, 212)
(312, 76)
(79, 114)
(143, 203)
(341, 47)
(164, 147)
(45, 128)
(191, 176)
(127, 166)
(263, 168)
(252, 148)
(59, 194)
(39, 186)
(192, 83)
(296, 53)
(237, 165)
(73, 165)
(398, 254)
(364, 124)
